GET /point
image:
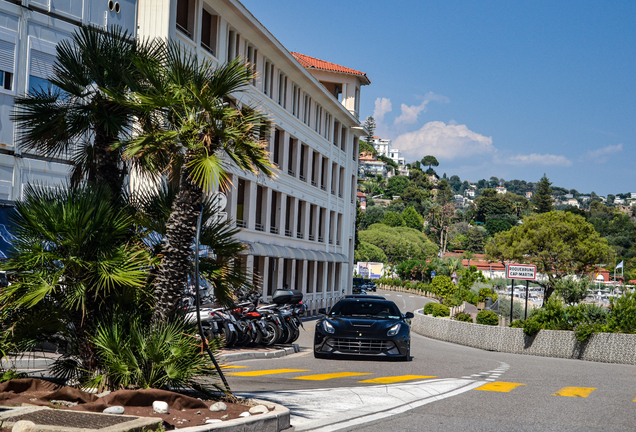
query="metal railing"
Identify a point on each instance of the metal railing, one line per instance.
(273, 230)
(241, 223)
(288, 233)
(312, 237)
(313, 183)
(259, 227)
(291, 173)
(300, 235)
(302, 178)
(321, 239)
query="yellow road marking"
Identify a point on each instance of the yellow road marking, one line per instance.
(232, 367)
(581, 392)
(322, 377)
(394, 379)
(267, 372)
(499, 386)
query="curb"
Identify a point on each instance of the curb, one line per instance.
(260, 354)
(275, 421)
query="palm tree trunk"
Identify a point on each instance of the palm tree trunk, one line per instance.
(107, 161)
(177, 253)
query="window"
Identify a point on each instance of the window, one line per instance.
(232, 45)
(296, 101)
(307, 110)
(7, 59)
(41, 68)
(282, 90)
(251, 55)
(185, 17)
(318, 120)
(357, 102)
(209, 25)
(267, 78)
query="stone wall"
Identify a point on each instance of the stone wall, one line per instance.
(602, 347)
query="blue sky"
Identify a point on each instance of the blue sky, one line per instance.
(511, 89)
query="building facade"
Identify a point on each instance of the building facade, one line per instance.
(298, 226)
(29, 33)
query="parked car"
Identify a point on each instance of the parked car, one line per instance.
(363, 326)
(365, 284)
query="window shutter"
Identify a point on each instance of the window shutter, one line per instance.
(7, 56)
(41, 64)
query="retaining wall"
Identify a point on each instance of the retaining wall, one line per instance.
(601, 347)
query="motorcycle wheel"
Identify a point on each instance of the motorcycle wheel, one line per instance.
(284, 334)
(257, 338)
(273, 334)
(228, 336)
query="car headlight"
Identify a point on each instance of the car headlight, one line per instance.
(328, 327)
(394, 330)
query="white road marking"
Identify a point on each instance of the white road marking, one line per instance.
(399, 295)
(331, 409)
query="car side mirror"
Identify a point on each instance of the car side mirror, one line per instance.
(322, 311)
(409, 315)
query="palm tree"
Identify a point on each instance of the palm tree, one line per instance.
(220, 248)
(80, 118)
(75, 261)
(191, 131)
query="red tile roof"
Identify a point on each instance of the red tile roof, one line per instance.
(314, 63)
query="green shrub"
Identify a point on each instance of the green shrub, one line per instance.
(487, 317)
(428, 308)
(441, 310)
(531, 327)
(623, 313)
(443, 286)
(517, 324)
(486, 292)
(436, 309)
(463, 317)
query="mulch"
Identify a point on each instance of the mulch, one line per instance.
(184, 410)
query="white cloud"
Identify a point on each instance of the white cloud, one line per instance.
(535, 159)
(444, 141)
(409, 114)
(382, 106)
(603, 155)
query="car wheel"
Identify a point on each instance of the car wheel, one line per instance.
(407, 357)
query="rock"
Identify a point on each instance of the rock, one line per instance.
(219, 406)
(63, 403)
(23, 426)
(102, 394)
(259, 409)
(198, 412)
(160, 407)
(117, 409)
(245, 414)
(213, 421)
(224, 417)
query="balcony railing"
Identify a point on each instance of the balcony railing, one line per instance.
(313, 183)
(333, 192)
(339, 194)
(330, 241)
(337, 242)
(259, 227)
(312, 237)
(184, 30)
(291, 173)
(323, 187)
(302, 178)
(273, 230)
(300, 235)
(288, 233)
(321, 239)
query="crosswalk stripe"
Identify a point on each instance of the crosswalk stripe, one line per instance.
(581, 392)
(267, 372)
(322, 377)
(389, 380)
(499, 386)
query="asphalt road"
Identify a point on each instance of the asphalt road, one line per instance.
(445, 387)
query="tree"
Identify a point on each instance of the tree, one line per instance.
(413, 219)
(372, 215)
(367, 252)
(455, 183)
(431, 161)
(393, 219)
(572, 290)
(81, 115)
(369, 126)
(396, 185)
(187, 123)
(543, 197)
(444, 193)
(399, 243)
(558, 243)
(491, 203)
(475, 239)
(77, 260)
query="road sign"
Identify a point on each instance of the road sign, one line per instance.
(521, 271)
(432, 274)
(454, 275)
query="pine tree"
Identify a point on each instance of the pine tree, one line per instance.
(542, 198)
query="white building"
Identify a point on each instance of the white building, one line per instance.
(29, 33)
(385, 148)
(299, 226)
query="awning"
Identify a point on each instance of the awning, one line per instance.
(277, 251)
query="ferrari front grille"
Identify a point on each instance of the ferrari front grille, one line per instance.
(358, 346)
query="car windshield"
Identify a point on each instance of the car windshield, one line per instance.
(366, 308)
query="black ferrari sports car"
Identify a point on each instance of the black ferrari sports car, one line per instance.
(363, 326)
